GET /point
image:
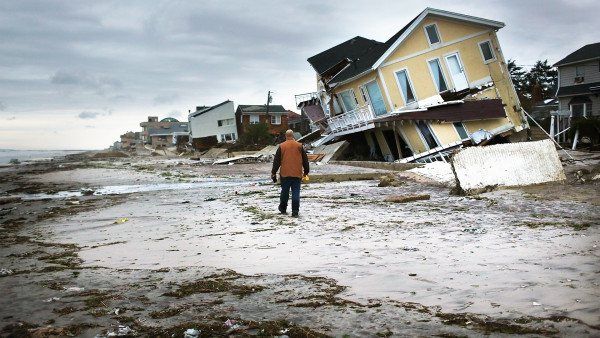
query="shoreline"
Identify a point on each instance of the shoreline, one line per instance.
(194, 258)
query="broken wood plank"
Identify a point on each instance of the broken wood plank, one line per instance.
(405, 199)
(315, 157)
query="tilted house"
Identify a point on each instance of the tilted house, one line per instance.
(275, 116)
(211, 125)
(419, 95)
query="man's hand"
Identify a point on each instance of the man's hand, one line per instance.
(274, 178)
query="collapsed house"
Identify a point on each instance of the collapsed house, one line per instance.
(439, 83)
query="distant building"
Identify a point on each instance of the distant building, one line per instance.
(276, 117)
(211, 125)
(298, 123)
(165, 132)
(128, 141)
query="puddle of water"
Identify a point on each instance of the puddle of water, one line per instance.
(136, 188)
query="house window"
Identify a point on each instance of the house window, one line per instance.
(427, 135)
(162, 138)
(438, 75)
(405, 86)
(254, 119)
(461, 130)
(487, 52)
(375, 98)
(227, 122)
(581, 109)
(227, 137)
(349, 100)
(579, 70)
(275, 119)
(433, 35)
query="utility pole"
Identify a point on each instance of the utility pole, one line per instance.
(269, 99)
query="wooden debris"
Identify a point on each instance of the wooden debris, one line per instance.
(405, 199)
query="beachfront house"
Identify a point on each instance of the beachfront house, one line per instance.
(439, 82)
(165, 132)
(578, 90)
(275, 116)
(211, 125)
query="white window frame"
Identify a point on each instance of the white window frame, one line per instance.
(231, 136)
(352, 97)
(412, 88)
(459, 58)
(489, 42)
(225, 122)
(457, 133)
(364, 94)
(277, 119)
(585, 108)
(254, 119)
(363, 86)
(439, 36)
(433, 76)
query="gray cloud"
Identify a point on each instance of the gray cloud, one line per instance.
(2, 106)
(85, 81)
(88, 115)
(136, 55)
(12, 118)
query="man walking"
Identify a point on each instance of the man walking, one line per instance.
(292, 159)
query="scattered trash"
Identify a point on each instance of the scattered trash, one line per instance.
(210, 199)
(536, 304)
(72, 203)
(50, 300)
(412, 274)
(122, 220)
(123, 331)
(185, 202)
(191, 333)
(409, 249)
(231, 324)
(74, 289)
(6, 272)
(475, 231)
(116, 311)
(405, 199)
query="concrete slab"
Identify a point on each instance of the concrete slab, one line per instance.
(513, 164)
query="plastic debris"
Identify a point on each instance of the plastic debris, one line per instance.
(6, 272)
(72, 203)
(50, 300)
(536, 304)
(122, 220)
(475, 230)
(231, 324)
(74, 289)
(412, 274)
(191, 333)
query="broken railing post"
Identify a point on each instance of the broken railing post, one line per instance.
(553, 140)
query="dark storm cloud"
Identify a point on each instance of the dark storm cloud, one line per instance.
(88, 115)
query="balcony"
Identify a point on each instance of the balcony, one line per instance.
(308, 99)
(356, 120)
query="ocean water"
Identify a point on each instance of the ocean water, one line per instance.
(6, 155)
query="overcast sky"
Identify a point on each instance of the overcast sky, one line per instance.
(77, 74)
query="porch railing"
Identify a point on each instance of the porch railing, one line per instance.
(357, 118)
(306, 98)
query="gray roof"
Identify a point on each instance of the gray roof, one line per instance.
(207, 109)
(261, 109)
(587, 52)
(178, 128)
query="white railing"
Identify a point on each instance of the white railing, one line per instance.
(357, 118)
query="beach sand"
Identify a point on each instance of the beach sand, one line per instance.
(153, 247)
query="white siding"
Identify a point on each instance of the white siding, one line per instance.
(591, 73)
(206, 124)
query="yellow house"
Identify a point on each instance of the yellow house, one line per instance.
(439, 83)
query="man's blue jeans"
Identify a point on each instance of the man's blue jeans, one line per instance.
(286, 184)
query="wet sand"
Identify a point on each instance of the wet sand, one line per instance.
(159, 262)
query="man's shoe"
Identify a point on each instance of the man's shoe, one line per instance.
(294, 214)
(281, 210)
